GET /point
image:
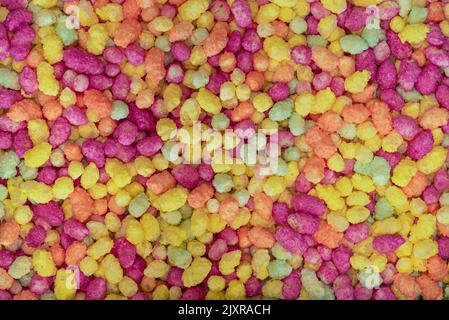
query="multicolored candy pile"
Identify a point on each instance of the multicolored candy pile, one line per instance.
(103, 197)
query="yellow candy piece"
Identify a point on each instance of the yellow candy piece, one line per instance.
(229, 261)
(208, 101)
(65, 284)
(196, 272)
(414, 33)
(276, 48)
(38, 155)
(357, 81)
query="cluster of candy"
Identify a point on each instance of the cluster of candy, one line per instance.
(98, 99)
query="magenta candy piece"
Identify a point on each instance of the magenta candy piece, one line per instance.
(327, 272)
(291, 286)
(96, 290)
(251, 41)
(36, 237)
(309, 204)
(290, 240)
(304, 223)
(75, 229)
(50, 212)
(82, 61)
(94, 152)
(342, 287)
(357, 232)
(194, 293)
(242, 13)
(421, 145)
(7, 98)
(340, 258)
(406, 126)
(125, 252)
(387, 75)
(387, 243)
(253, 287)
(59, 132)
(149, 146)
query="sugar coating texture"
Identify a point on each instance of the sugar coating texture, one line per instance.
(230, 150)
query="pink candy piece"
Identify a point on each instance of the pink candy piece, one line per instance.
(251, 41)
(60, 132)
(387, 75)
(82, 61)
(253, 287)
(126, 132)
(342, 287)
(187, 176)
(428, 79)
(217, 249)
(220, 10)
(309, 204)
(357, 232)
(96, 290)
(304, 223)
(94, 152)
(406, 126)
(75, 229)
(7, 98)
(340, 258)
(387, 243)
(291, 240)
(36, 237)
(292, 286)
(125, 251)
(149, 146)
(17, 18)
(327, 272)
(242, 13)
(50, 212)
(420, 145)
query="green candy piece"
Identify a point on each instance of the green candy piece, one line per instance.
(383, 209)
(242, 196)
(44, 18)
(281, 168)
(222, 183)
(281, 110)
(68, 36)
(372, 36)
(8, 164)
(380, 171)
(362, 168)
(296, 124)
(348, 131)
(291, 154)
(353, 44)
(409, 96)
(298, 25)
(316, 41)
(279, 269)
(417, 14)
(172, 217)
(9, 79)
(186, 211)
(3, 192)
(179, 257)
(220, 121)
(198, 36)
(200, 78)
(138, 205)
(404, 7)
(120, 110)
(27, 173)
(280, 252)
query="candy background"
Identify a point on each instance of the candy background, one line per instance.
(103, 197)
